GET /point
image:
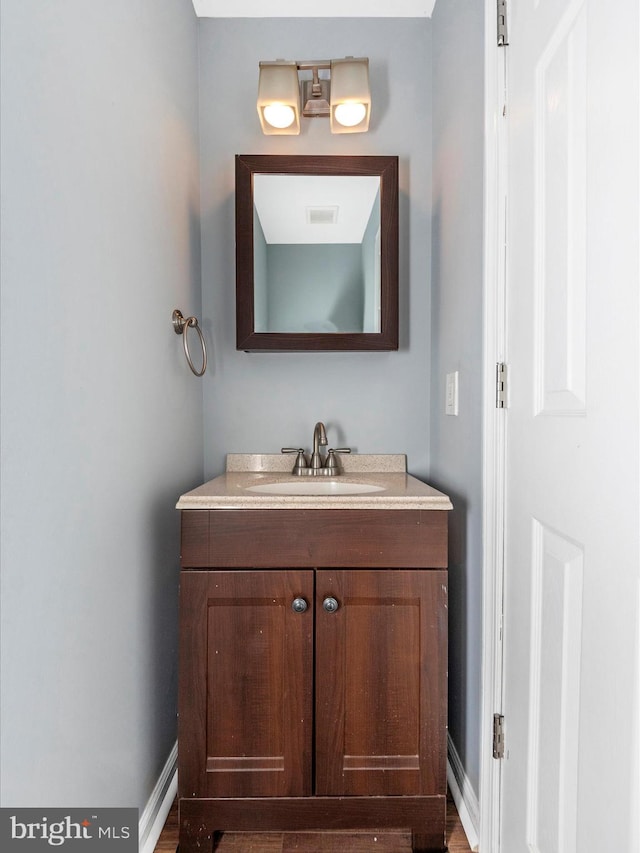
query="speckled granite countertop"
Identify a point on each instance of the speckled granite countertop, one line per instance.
(386, 473)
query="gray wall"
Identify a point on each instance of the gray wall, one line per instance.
(260, 277)
(375, 402)
(456, 442)
(101, 420)
(315, 283)
(371, 268)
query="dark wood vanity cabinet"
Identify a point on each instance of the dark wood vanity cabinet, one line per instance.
(312, 696)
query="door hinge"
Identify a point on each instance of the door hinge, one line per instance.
(501, 385)
(503, 35)
(498, 736)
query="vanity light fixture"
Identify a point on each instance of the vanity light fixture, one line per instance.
(344, 98)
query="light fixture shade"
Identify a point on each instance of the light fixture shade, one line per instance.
(350, 95)
(279, 98)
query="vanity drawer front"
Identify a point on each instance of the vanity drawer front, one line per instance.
(409, 539)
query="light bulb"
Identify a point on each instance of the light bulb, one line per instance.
(279, 115)
(350, 114)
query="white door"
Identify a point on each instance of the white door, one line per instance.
(572, 511)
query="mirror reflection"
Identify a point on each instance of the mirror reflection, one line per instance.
(316, 252)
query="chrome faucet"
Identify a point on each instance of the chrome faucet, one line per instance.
(318, 465)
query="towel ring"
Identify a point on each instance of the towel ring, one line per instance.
(181, 327)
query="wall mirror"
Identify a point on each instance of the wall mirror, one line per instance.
(316, 253)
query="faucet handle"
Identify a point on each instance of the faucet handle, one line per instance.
(331, 465)
(301, 459)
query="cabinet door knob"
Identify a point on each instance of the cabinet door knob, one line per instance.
(330, 604)
(299, 605)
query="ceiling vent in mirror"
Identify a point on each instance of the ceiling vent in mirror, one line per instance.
(327, 215)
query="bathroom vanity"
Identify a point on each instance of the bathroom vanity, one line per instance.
(313, 652)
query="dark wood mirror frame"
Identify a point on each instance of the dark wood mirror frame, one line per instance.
(387, 169)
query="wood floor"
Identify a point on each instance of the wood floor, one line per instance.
(316, 842)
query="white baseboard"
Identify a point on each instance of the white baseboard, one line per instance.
(463, 795)
(159, 805)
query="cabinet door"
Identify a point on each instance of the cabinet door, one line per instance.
(246, 681)
(381, 682)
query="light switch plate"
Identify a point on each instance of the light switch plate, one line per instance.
(451, 403)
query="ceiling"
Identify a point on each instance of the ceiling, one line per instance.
(327, 9)
(284, 204)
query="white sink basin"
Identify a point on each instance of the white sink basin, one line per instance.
(315, 487)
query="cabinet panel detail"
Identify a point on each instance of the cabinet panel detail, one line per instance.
(245, 708)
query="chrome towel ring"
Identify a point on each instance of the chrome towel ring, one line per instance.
(181, 327)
